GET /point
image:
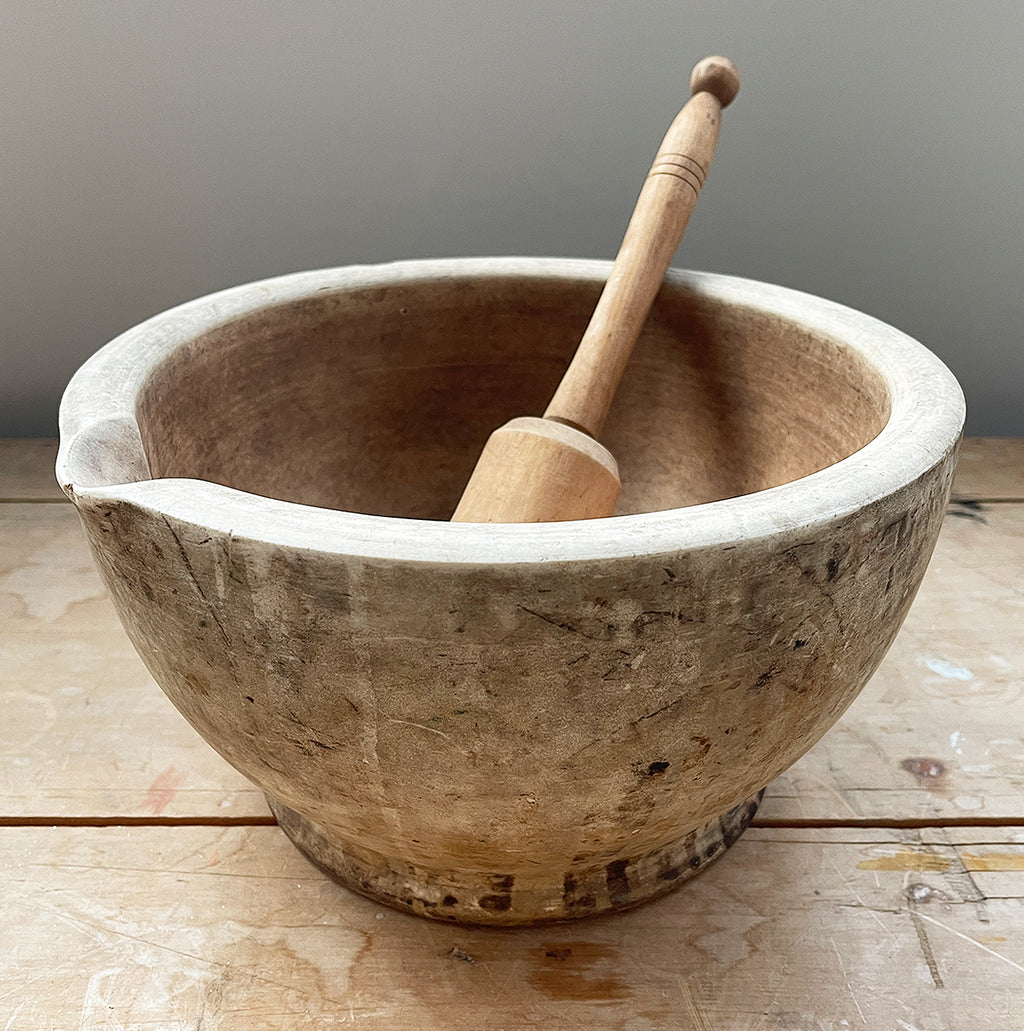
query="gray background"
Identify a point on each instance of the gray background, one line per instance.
(154, 152)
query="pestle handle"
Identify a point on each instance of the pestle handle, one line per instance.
(552, 468)
(659, 219)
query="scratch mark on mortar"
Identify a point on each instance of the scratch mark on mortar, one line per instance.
(418, 726)
(192, 575)
(658, 712)
(554, 622)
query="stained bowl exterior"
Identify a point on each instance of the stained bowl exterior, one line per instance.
(508, 724)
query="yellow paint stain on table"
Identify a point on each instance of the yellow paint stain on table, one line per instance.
(907, 859)
(922, 862)
(992, 861)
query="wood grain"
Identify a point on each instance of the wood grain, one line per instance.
(790, 931)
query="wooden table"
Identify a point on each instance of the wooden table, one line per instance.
(145, 884)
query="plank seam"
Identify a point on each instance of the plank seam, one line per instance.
(985, 501)
(34, 501)
(762, 823)
(137, 821)
(14, 500)
(888, 823)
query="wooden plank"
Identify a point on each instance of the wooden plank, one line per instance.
(86, 730)
(26, 470)
(991, 468)
(89, 734)
(222, 928)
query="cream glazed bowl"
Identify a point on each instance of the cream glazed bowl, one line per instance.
(503, 724)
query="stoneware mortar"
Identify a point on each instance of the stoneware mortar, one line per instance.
(507, 724)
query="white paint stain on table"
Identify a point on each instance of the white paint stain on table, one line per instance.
(948, 669)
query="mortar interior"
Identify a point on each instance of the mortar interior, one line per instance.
(379, 399)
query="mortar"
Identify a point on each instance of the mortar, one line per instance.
(503, 724)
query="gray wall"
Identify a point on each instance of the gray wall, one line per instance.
(153, 152)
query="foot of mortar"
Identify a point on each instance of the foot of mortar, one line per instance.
(507, 899)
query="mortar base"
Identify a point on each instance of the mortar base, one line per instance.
(495, 899)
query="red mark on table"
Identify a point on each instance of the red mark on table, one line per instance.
(162, 791)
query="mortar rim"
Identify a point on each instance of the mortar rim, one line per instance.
(98, 425)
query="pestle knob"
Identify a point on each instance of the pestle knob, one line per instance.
(717, 76)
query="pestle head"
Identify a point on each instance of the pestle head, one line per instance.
(717, 76)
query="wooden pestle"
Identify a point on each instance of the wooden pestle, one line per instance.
(553, 468)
